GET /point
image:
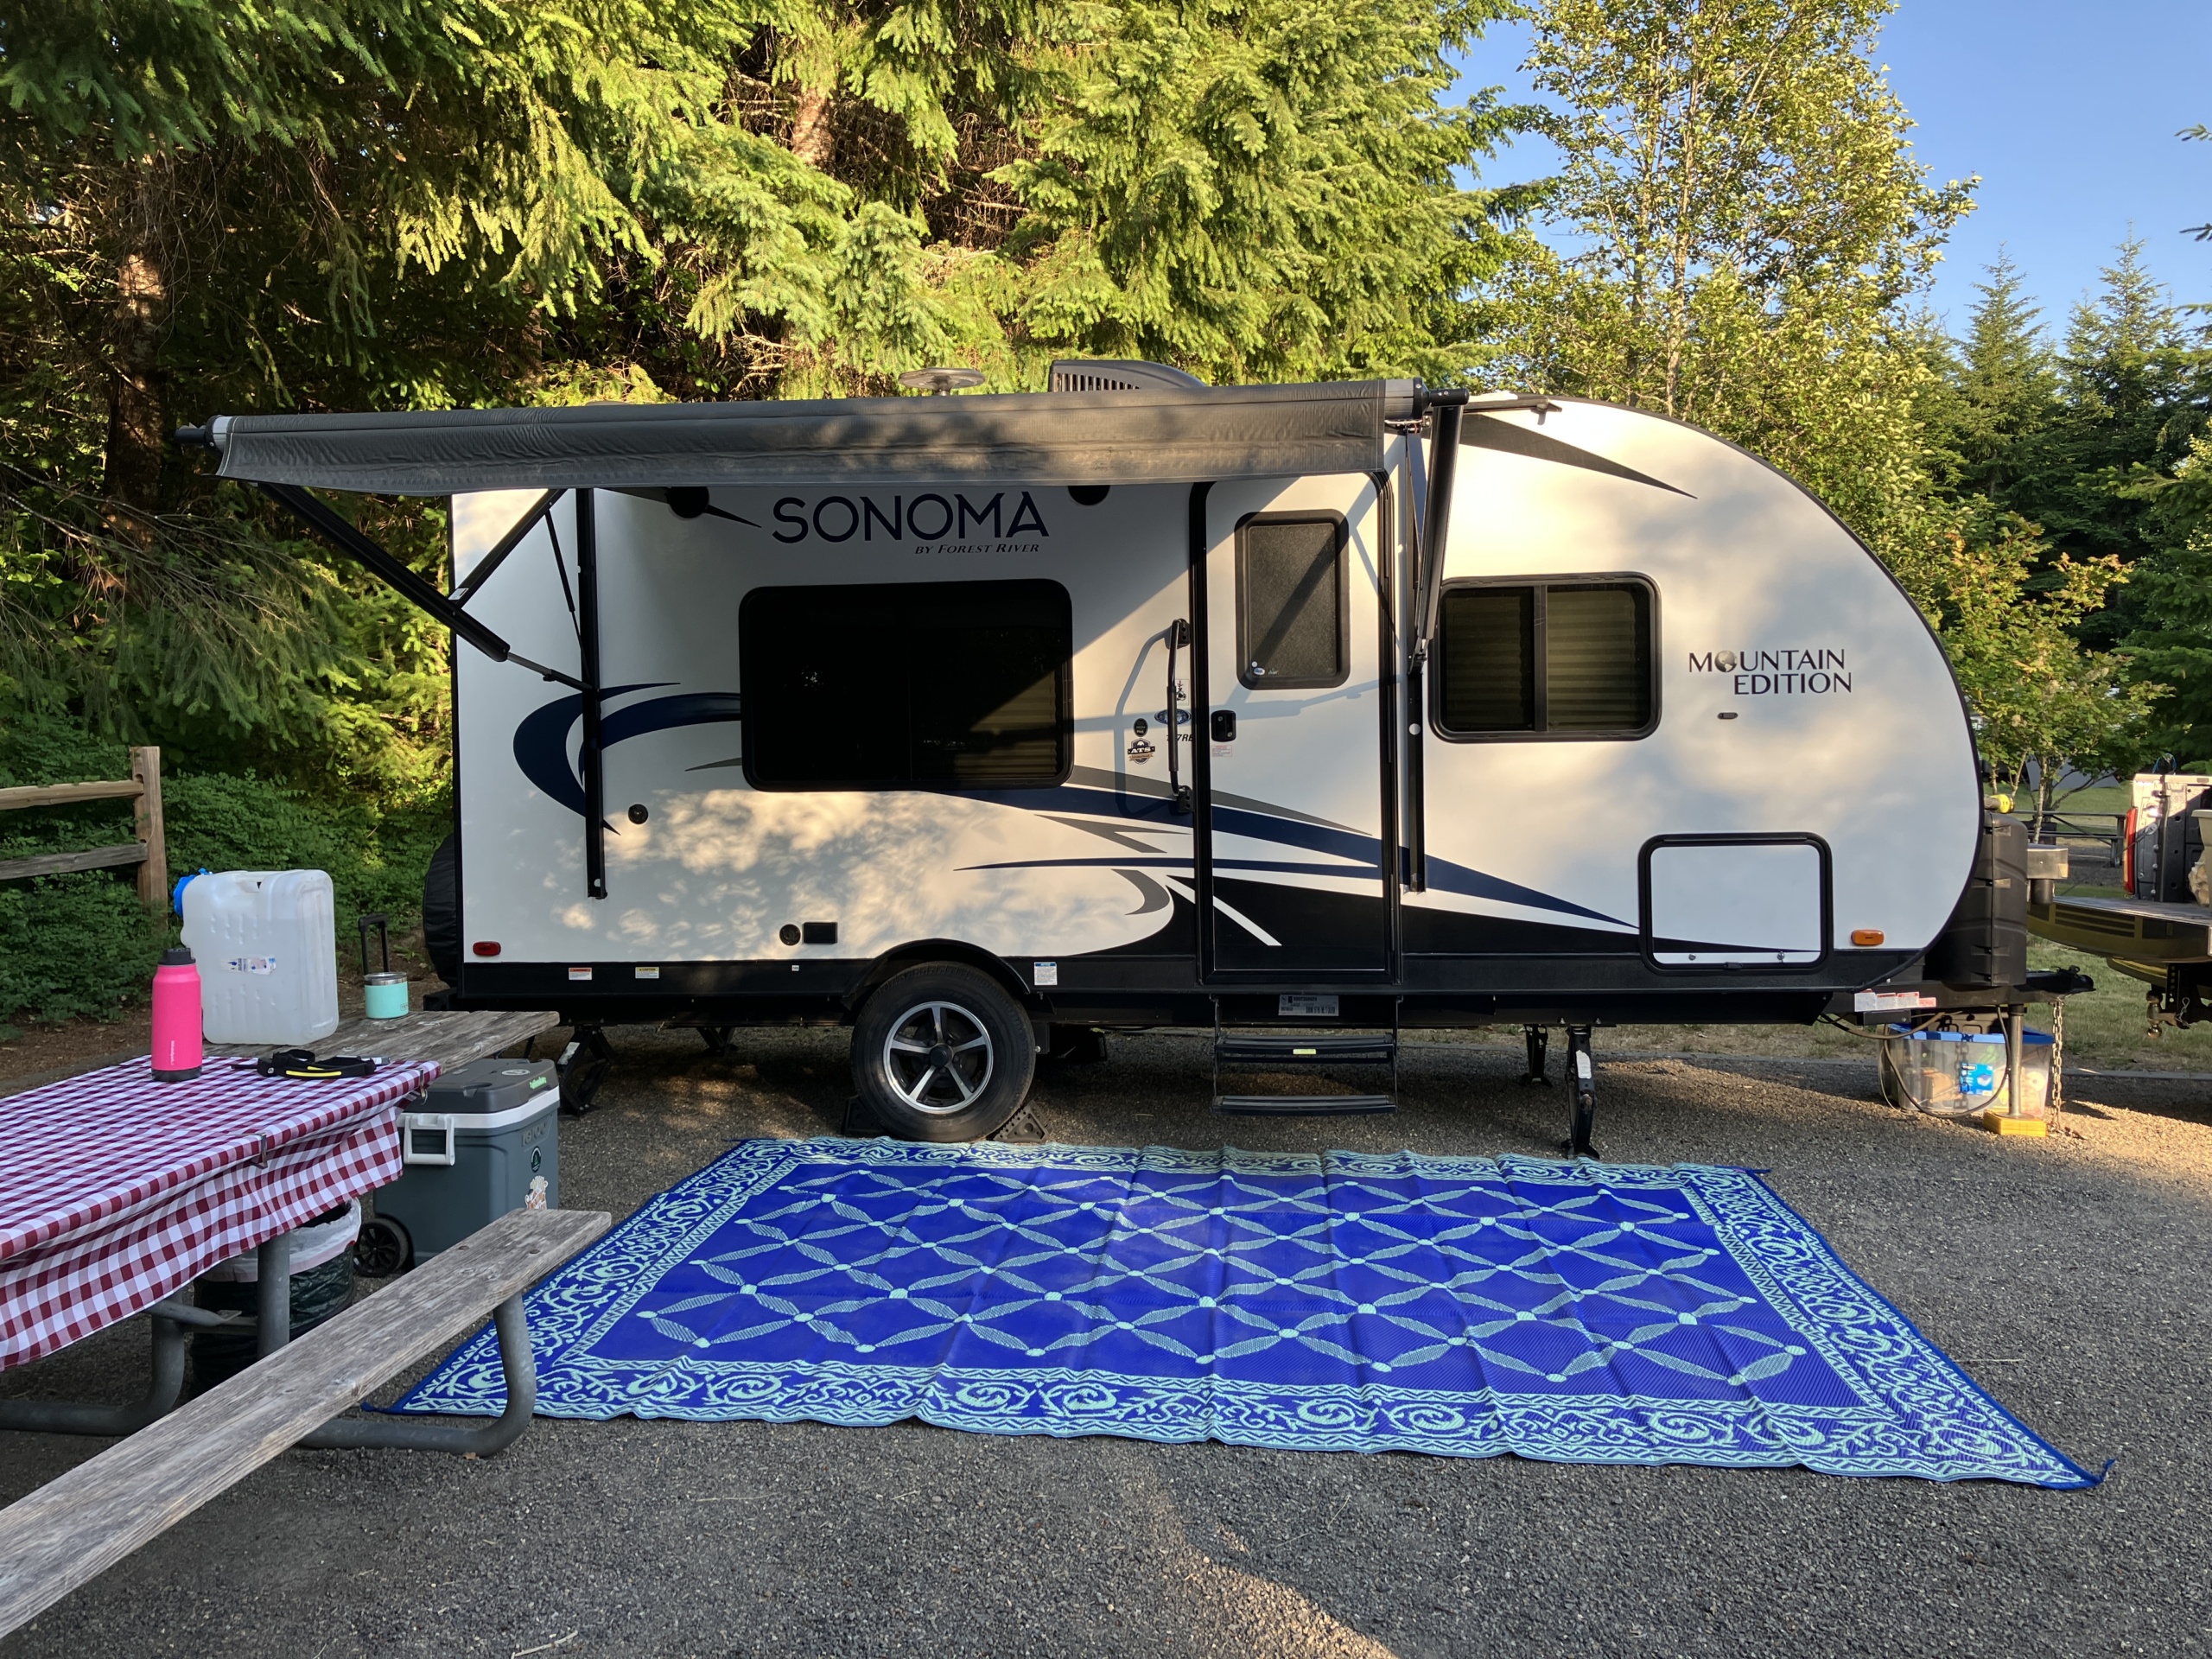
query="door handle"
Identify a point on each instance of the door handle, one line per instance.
(1224, 725)
(1178, 792)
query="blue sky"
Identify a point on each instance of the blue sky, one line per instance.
(2067, 110)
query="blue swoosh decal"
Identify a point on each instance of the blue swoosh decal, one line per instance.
(1366, 851)
(541, 745)
(542, 737)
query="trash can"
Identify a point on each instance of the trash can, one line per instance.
(322, 1283)
(1961, 1073)
(485, 1141)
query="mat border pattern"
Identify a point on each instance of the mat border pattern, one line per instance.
(1920, 1415)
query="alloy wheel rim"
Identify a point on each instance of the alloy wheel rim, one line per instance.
(938, 1059)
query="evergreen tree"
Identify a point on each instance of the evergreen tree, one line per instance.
(370, 203)
(1995, 397)
(2172, 641)
(2135, 391)
(1745, 228)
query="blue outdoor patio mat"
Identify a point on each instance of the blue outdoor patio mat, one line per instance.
(1581, 1313)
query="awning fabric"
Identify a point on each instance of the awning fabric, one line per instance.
(1164, 436)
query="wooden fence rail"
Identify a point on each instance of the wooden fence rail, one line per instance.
(147, 851)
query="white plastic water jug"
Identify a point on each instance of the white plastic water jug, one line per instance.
(266, 944)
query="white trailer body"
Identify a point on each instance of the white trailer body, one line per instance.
(1168, 735)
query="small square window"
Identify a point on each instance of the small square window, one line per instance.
(1292, 592)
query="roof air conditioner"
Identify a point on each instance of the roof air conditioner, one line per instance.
(1074, 374)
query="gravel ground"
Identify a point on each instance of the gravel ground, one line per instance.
(2066, 1274)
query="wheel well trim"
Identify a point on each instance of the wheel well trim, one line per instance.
(922, 953)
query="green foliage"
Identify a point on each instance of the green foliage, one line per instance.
(82, 945)
(1261, 190)
(2173, 644)
(219, 822)
(2039, 700)
(1742, 218)
(73, 945)
(1989, 408)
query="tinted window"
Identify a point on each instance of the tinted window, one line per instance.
(1291, 583)
(1487, 674)
(883, 686)
(1596, 659)
(1558, 657)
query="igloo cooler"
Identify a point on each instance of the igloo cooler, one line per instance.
(485, 1141)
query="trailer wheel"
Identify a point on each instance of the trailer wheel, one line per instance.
(941, 1053)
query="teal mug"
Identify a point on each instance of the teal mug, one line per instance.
(385, 996)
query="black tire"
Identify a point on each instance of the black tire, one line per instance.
(383, 1249)
(441, 909)
(941, 1052)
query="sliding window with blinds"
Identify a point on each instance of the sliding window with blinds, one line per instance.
(1562, 659)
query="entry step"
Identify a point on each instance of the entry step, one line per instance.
(1307, 1050)
(1303, 1105)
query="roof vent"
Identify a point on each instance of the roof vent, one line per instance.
(1074, 374)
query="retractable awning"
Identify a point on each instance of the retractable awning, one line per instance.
(1159, 435)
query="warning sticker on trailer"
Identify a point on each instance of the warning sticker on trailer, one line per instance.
(1311, 1005)
(579, 973)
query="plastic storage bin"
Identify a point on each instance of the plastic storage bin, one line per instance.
(266, 944)
(484, 1143)
(1957, 1074)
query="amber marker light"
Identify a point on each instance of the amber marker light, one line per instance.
(1866, 936)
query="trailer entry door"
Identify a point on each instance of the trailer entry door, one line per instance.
(1291, 719)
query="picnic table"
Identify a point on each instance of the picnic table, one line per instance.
(116, 1191)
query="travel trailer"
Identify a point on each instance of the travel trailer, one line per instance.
(985, 723)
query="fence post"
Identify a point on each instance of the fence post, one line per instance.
(153, 871)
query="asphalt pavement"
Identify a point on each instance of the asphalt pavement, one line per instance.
(2068, 1275)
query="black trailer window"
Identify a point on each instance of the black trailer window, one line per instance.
(884, 687)
(1292, 586)
(1545, 659)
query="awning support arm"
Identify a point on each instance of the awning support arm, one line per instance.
(1445, 409)
(590, 758)
(335, 529)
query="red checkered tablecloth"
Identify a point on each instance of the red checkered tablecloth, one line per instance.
(116, 1190)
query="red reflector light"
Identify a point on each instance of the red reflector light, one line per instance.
(485, 947)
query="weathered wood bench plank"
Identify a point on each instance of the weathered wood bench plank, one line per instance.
(450, 1039)
(76, 1527)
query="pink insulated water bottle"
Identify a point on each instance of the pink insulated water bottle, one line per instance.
(176, 1018)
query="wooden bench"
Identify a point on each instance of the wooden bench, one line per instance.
(73, 1528)
(451, 1039)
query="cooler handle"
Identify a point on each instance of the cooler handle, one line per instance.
(436, 1122)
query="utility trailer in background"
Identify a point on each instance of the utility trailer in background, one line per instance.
(2161, 931)
(985, 724)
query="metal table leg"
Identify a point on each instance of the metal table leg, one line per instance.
(273, 1261)
(273, 1266)
(413, 1434)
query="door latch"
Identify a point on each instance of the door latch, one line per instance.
(1224, 725)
